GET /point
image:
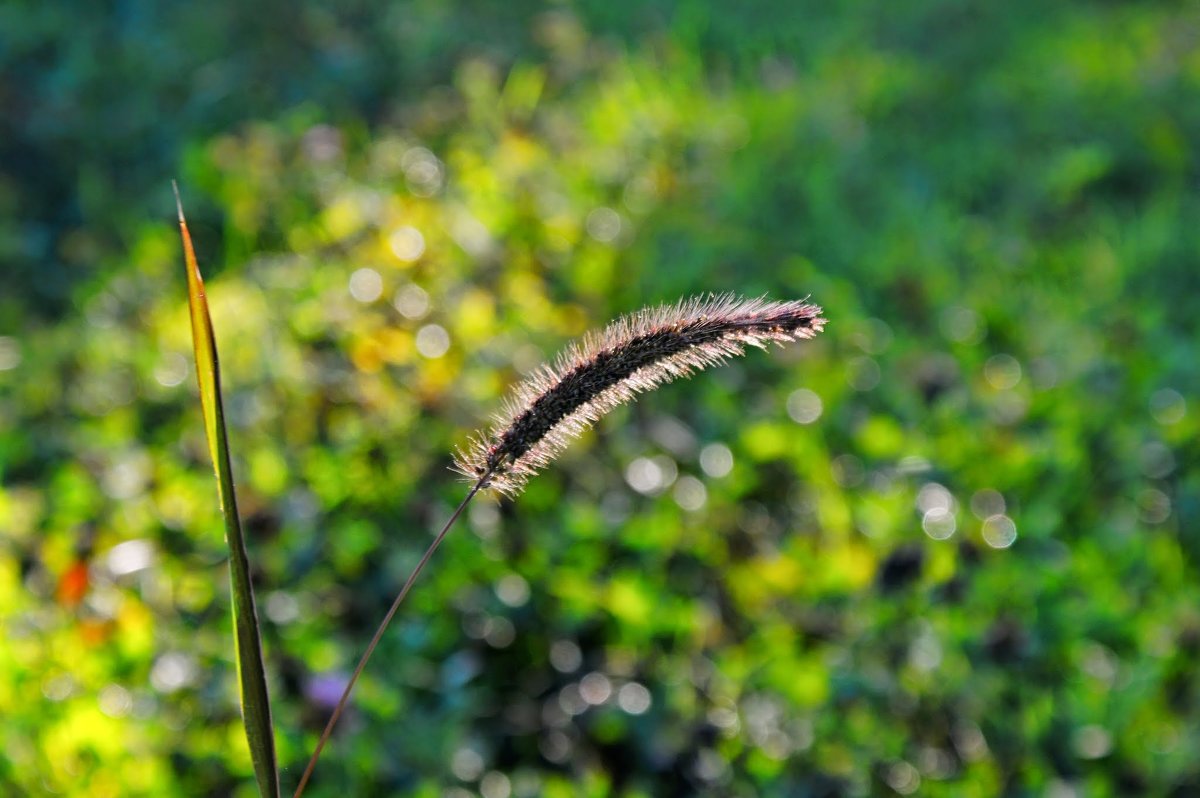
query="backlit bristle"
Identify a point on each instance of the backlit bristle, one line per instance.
(636, 353)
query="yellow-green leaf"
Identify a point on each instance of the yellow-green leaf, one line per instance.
(252, 680)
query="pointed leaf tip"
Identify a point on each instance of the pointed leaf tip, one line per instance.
(178, 202)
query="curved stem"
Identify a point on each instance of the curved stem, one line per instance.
(362, 663)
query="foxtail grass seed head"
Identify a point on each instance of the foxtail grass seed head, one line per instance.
(636, 353)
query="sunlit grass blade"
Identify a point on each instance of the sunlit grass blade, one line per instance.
(252, 680)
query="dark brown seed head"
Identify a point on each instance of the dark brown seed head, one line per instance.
(636, 353)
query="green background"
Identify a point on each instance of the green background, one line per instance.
(802, 561)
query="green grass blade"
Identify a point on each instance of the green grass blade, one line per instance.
(252, 680)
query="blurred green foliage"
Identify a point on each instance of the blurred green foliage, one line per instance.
(792, 576)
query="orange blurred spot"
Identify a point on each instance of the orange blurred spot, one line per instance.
(96, 632)
(73, 584)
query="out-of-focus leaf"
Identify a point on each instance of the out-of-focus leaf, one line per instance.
(252, 681)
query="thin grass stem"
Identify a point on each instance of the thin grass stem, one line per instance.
(383, 625)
